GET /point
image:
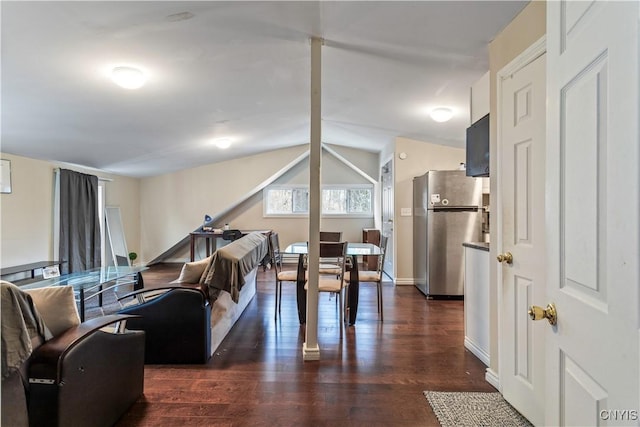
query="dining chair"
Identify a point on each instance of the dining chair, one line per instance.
(371, 276)
(331, 236)
(332, 283)
(281, 275)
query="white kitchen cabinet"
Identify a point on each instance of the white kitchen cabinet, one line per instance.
(476, 300)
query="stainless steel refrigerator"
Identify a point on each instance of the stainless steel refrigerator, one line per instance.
(446, 213)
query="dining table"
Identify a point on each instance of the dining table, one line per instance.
(354, 250)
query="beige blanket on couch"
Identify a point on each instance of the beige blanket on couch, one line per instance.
(21, 325)
(231, 263)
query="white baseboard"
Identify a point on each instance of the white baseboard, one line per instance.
(405, 282)
(480, 353)
(492, 378)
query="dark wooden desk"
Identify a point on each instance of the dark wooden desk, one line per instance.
(23, 268)
(210, 239)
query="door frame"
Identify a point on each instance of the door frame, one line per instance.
(389, 260)
(529, 55)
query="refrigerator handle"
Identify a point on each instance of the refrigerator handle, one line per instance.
(454, 208)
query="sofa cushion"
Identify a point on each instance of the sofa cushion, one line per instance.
(57, 307)
(192, 272)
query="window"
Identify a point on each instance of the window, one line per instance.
(337, 200)
(286, 200)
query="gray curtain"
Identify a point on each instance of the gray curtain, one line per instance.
(79, 221)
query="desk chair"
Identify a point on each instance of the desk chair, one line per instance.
(231, 235)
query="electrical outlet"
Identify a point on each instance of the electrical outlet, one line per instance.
(405, 211)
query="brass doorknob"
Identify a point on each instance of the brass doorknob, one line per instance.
(539, 313)
(506, 257)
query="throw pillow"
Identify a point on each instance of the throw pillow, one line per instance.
(192, 271)
(57, 306)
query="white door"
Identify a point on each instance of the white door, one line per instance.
(522, 158)
(386, 178)
(592, 206)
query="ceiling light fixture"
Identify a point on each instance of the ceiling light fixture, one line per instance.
(441, 114)
(128, 77)
(222, 143)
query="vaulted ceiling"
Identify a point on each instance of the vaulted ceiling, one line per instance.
(236, 70)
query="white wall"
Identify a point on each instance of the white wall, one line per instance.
(26, 214)
(421, 157)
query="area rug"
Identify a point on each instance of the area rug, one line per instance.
(455, 409)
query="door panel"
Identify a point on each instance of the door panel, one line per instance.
(583, 166)
(583, 396)
(593, 222)
(523, 335)
(522, 150)
(522, 207)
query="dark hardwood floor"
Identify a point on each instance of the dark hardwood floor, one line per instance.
(375, 376)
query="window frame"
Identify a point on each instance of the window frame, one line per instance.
(323, 214)
(265, 193)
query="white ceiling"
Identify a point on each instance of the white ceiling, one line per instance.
(234, 69)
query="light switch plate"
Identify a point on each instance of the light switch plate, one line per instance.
(405, 211)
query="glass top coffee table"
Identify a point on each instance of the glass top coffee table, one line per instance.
(102, 279)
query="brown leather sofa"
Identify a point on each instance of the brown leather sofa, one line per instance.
(86, 375)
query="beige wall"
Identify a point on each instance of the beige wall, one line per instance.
(528, 27)
(26, 224)
(421, 157)
(173, 205)
(160, 211)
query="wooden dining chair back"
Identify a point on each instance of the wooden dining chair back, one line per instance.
(331, 236)
(334, 282)
(330, 267)
(281, 275)
(374, 276)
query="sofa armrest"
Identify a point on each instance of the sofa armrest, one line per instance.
(139, 294)
(46, 360)
(177, 326)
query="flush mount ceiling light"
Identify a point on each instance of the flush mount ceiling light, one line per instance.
(128, 77)
(222, 143)
(441, 114)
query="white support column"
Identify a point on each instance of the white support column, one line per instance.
(310, 349)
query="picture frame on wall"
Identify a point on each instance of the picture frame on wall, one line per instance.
(5, 176)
